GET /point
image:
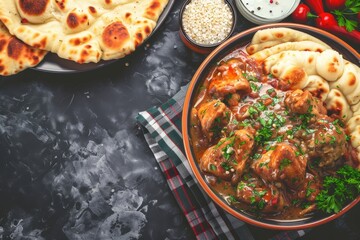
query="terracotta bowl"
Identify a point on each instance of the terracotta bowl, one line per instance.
(240, 40)
(201, 48)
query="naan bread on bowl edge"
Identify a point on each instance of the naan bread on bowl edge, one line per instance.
(83, 30)
(16, 56)
(270, 37)
(289, 55)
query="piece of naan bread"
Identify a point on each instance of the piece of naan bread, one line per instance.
(317, 86)
(298, 46)
(16, 56)
(270, 37)
(82, 30)
(349, 83)
(293, 67)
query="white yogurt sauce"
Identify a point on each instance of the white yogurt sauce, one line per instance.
(268, 8)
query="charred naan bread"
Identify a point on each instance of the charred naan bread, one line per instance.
(288, 46)
(273, 36)
(82, 30)
(15, 55)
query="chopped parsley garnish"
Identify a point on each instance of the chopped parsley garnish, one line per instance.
(264, 164)
(339, 190)
(254, 87)
(225, 166)
(213, 167)
(250, 77)
(260, 106)
(252, 111)
(284, 163)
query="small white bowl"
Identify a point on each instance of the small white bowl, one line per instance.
(266, 11)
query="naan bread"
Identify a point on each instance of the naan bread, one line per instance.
(273, 36)
(294, 67)
(82, 30)
(318, 87)
(298, 46)
(353, 126)
(336, 103)
(349, 83)
(16, 56)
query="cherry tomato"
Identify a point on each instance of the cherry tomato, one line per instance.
(335, 4)
(326, 20)
(300, 14)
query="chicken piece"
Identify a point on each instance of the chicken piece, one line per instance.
(264, 198)
(213, 116)
(243, 145)
(229, 79)
(227, 159)
(302, 102)
(282, 165)
(198, 138)
(310, 189)
(328, 142)
(215, 163)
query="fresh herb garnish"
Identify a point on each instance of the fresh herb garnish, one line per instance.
(339, 190)
(284, 163)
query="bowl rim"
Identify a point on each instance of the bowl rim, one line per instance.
(208, 46)
(258, 19)
(192, 162)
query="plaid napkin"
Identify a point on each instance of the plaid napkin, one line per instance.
(162, 131)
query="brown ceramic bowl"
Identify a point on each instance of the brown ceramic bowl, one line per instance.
(201, 48)
(239, 40)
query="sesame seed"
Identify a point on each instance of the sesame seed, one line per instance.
(207, 21)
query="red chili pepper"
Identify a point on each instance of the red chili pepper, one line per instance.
(315, 5)
(335, 4)
(302, 13)
(328, 22)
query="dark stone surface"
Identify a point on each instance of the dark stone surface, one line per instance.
(74, 165)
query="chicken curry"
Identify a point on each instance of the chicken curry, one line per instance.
(264, 147)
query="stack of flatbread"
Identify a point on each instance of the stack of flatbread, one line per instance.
(80, 30)
(301, 61)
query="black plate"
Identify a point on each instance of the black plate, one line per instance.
(54, 64)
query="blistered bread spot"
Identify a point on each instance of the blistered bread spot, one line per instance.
(127, 15)
(279, 35)
(40, 44)
(152, 9)
(72, 20)
(311, 59)
(352, 79)
(92, 10)
(60, 4)
(32, 7)
(14, 48)
(115, 35)
(147, 30)
(2, 44)
(108, 1)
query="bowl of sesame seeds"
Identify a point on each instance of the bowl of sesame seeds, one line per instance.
(205, 24)
(266, 11)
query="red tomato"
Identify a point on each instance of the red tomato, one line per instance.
(335, 4)
(300, 14)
